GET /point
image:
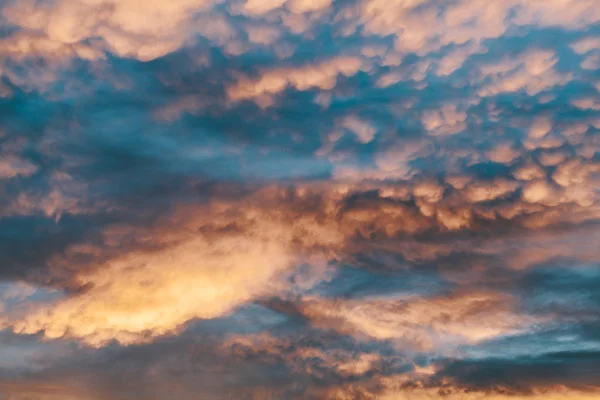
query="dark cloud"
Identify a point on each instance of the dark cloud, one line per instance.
(525, 374)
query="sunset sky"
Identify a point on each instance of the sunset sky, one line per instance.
(299, 199)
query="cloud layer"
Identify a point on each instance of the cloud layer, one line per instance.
(294, 199)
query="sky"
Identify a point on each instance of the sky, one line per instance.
(299, 199)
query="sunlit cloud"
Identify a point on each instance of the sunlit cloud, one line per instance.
(295, 199)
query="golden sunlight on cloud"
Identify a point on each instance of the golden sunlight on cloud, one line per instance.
(438, 323)
(299, 199)
(143, 294)
(206, 262)
(448, 394)
(153, 294)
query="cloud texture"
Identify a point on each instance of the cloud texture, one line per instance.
(299, 199)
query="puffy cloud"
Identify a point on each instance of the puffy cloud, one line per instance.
(574, 172)
(538, 192)
(529, 172)
(422, 27)
(299, 199)
(540, 128)
(322, 75)
(429, 191)
(455, 60)
(504, 153)
(447, 121)
(128, 30)
(591, 62)
(533, 72)
(259, 7)
(363, 130)
(485, 191)
(263, 34)
(586, 45)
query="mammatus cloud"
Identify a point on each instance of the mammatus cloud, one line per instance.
(217, 255)
(323, 75)
(533, 73)
(293, 199)
(125, 27)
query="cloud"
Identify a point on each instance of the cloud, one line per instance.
(12, 166)
(447, 121)
(322, 75)
(363, 130)
(128, 30)
(585, 45)
(63, 196)
(299, 199)
(436, 324)
(427, 394)
(137, 295)
(533, 73)
(259, 7)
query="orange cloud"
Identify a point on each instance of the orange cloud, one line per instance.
(437, 324)
(139, 295)
(207, 261)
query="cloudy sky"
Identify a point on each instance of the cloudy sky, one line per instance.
(299, 199)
